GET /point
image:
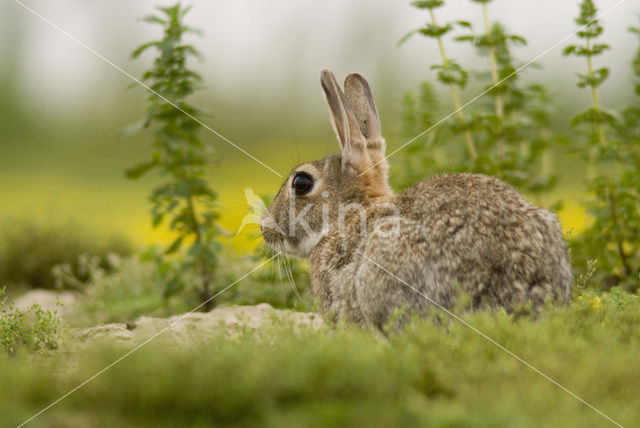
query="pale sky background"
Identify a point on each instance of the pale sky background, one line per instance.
(273, 50)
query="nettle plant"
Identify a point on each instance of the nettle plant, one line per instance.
(185, 201)
(612, 149)
(506, 134)
(449, 72)
(512, 129)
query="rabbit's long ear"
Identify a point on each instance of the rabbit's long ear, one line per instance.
(360, 101)
(352, 141)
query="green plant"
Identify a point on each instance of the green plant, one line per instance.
(512, 135)
(33, 329)
(613, 154)
(421, 156)
(185, 200)
(449, 73)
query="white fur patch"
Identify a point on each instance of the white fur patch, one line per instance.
(303, 249)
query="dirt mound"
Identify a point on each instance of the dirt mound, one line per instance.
(197, 325)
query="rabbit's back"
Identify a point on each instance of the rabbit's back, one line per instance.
(480, 233)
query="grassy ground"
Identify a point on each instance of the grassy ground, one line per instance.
(280, 375)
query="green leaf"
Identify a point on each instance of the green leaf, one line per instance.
(517, 39)
(157, 219)
(152, 19)
(175, 246)
(406, 37)
(140, 49)
(427, 4)
(139, 170)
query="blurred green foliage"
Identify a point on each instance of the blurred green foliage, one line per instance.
(30, 249)
(292, 375)
(126, 290)
(611, 143)
(130, 287)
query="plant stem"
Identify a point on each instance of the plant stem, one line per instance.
(454, 94)
(594, 95)
(495, 79)
(610, 190)
(616, 234)
(205, 273)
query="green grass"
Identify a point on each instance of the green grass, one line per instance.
(429, 375)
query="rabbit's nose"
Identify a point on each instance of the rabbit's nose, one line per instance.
(267, 223)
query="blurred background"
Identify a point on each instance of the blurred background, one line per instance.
(62, 108)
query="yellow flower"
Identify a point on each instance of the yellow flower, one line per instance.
(596, 304)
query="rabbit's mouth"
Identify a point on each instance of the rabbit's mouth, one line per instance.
(302, 247)
(276, 238)
(271, 232)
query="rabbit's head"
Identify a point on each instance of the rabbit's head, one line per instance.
(319, 194)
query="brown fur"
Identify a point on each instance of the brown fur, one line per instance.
(448, 233)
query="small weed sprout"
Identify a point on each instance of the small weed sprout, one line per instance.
(186, 200)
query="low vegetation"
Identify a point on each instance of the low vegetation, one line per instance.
(33, 329)
(434, 373)
(30, 249)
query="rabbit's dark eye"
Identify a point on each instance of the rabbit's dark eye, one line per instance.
(302, 183)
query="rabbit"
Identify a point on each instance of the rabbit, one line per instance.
(371, 251)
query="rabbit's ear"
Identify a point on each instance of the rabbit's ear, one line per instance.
(352, 141)
(360, 100)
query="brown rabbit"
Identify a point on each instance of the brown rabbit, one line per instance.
(452, 231)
